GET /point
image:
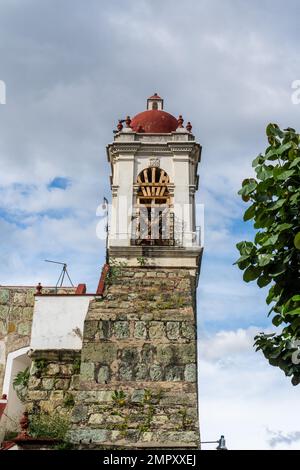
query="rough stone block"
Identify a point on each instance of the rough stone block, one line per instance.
(87, 371)
(100, 352)
(53, 369)
(48, 384)
(24, 328)
(2, 328)
(103, 375)
(190, 373)
(156, 330)
(188, 330)
(121, 329)
(173, 373)
(173, 330)
(30, 298)
(86, 435)
(27, 313)
(156, 372)
(19, 298)
(4, 296)
(79, 413)
(36, 395)
(140, 330)
(97, 419)
(4, 309)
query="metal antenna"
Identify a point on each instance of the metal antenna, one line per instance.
(64, 272)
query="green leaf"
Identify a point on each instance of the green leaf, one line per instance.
(277, 204)
(271, 240)
(282, 227)
(297, 241)
(251, 273)
(264, 259)
(295, 162)
(284, 175)
(277, 320)
(296, 298)
(283, 148)
(249, 214)
(296, 311)
(245, 248)
(263, 281)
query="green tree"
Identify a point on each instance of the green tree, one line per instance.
(273, 258)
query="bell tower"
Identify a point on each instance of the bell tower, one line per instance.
(138, 377)
(154, 161)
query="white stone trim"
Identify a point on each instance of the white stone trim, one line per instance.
(9, 362)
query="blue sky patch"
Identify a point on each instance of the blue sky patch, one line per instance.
(59, 182)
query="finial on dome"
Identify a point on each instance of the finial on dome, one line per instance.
(120, 125)
(189, 127)
(39, 289)
(180, 121)
(128, 121)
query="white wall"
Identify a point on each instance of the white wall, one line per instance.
(16, 361)
(57, 320)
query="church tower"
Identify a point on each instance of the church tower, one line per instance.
(138, 379)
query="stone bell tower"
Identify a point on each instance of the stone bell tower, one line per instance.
(138, 379)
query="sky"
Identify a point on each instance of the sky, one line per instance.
(71, 70)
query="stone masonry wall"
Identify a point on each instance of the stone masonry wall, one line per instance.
(53, 377)
(138, 380)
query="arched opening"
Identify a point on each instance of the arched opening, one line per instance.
(154, 223)
(17, 361)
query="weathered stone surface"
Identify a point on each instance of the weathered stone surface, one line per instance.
(2, 328)
(30, 298)
(4, 296)
(140, 330)
(103, 374)
(15, 313)
(121, 329)
(190, 373)
(48, 384)
(141, 372)
(139, 340)
(20, 298)
(165, 353)
(11, 327)
(53, 369)
(34, 383)
(188, 330)
(173, 373)
(24, 328)
(173, 331)
(156, 372)
(100, 352)
(79, 413)
(37, 395)
(125, 372)
(97, 418)
(156, 330)
(87, 435)
(62, 384)
(4, 311)
(87, 371)
(27, 313)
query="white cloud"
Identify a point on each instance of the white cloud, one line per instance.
(243, 397)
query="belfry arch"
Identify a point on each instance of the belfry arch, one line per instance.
(153, 219)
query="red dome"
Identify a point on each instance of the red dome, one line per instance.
(154, 122)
